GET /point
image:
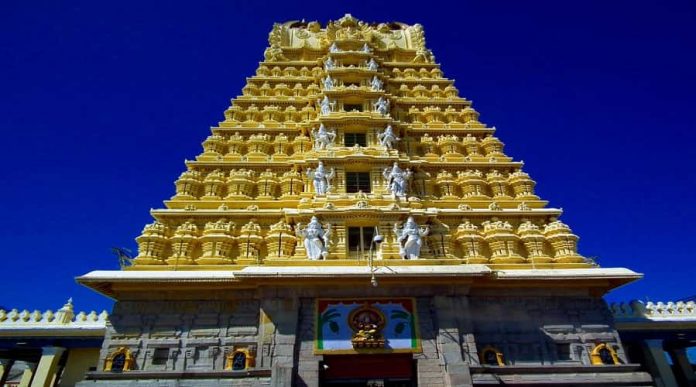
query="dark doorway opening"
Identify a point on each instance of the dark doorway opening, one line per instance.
(393, 370)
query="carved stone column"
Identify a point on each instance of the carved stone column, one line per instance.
(280, 241)
(188, 186)
(184, 244)
(258, 146)
(291, 185)
(492, 146)
(240, 184)
(522, 185)
(563, 241)
(472, 242)
(235, 146)
(249, 242)
(534, 242)
(281, 147)
(213, 148)
(446, 185)
(217, 242)
(266, 185)
(152, 244)
(213, 185)
(503, 242)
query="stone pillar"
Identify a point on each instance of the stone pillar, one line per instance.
(429, 365)
(683, 366)
(5, 366)
(27, 376)
(657, 364)
(448, 340)
(283, 313)
(307, 363)
(46, 369)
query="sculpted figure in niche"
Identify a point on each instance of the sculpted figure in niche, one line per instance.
(321, 179)
(366, 49)
(387, 138)
(326, 106)
(316, 239)
(334, 48)
(329, 64)
(372, 65)
(410, 238)
(323, 138)
(397, 180)
(328, 83)
(381, 106)
(376, 84)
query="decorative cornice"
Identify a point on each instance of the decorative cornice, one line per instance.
(655, 311)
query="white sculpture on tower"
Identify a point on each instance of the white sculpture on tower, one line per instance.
(376, 84)
(410, 238)
(382, 106)
(328, 83)
(372, 65)
(366, 49)
(326, 106)
(387, 138)
(397, 180)
(321, 179)
(316, 239)
(329, 64)
(334, 48)
(323, 138)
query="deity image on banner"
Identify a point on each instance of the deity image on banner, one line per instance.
(347, 326)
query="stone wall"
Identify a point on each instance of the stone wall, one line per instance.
(182, 335)
(190, 339)
(532, 330)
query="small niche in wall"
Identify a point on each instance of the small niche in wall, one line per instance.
(160, 356)
(119, 360)
(238, 361)
(491, 356)
(603, 354)
(563, 352)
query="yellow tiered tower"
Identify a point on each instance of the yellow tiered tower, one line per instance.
(350, 190)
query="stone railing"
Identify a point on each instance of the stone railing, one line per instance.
(654, 310)
(64, 317)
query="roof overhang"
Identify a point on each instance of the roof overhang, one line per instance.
(603, 279)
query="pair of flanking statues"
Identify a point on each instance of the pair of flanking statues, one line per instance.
(324, 139)
(397, 179)
(326, 106)
(317, 238)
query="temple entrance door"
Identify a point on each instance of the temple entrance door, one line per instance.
(393, 370)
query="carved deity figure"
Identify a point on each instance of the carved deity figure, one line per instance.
(372, 65)
(376, 84)
(321, 179)
(381, 106)
(326, 106)
(323, 138)
(334, 48)
(366, 49)
(328, 83)
(329, 64)
(316, 239)
(410, 238)
(387, 138)
(397, 180)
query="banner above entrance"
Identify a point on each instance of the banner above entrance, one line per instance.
(366, 325)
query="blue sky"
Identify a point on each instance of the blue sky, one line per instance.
(100, 104)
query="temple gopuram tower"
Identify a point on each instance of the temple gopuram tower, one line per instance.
(353, 222)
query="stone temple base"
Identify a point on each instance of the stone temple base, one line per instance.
(185, 335)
